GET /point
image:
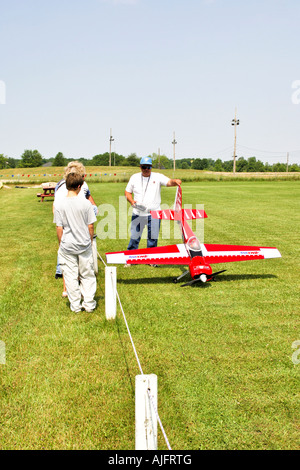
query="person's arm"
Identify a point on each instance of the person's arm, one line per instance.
(175, 182)
(129, 198)
(59, 231)
(95, 208)
(90, 198)
(91, 231)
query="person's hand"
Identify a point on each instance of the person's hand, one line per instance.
(95, 209)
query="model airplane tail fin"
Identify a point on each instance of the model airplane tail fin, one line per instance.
(178, 202)
(178, 213)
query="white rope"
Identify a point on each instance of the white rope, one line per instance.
(102, 259)
(139, 364)
(158, 418)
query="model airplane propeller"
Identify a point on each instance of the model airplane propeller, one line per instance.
(197, 256)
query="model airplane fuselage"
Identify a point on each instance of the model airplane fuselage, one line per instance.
(197, 256)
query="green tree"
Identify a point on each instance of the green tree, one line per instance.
(101, 159)
(132, 160)
(179, 163)
(279, 167)
(294, 167)
(228, 166)
(12, 162)
(202, 164)
(241, 165)
(161, 161)
(218, 165)
(3, 161)
(260, 167)
(252, 164)
(185, 166)
(8, 162)
(59, 160)
(197, 164)
(268, 167)
(31, 159)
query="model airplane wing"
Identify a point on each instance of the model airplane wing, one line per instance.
(170, 254)
(230, 253)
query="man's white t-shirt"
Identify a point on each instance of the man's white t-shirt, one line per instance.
(147, 191)
(74, 214)
(62, 192)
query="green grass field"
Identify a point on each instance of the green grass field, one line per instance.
(222, 351)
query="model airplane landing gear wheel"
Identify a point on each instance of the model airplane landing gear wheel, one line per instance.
(200, 279)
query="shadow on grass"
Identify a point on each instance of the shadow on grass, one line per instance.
(220, 278)
(247, 277)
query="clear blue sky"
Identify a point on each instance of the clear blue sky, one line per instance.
(73, 69)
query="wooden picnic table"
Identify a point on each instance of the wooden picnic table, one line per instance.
(48, 190)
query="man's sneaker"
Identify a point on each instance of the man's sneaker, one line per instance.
(153, 265)
(78, 311)
(57, 276)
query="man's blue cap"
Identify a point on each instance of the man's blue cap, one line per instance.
(146, 161)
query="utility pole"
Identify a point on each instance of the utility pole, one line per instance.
(159, 158)
(111, 139)
(235, 122)
(287, 162)
(174, 143)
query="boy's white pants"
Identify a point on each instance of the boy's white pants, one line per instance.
(77, 268)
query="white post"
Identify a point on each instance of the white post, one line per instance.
(110, 292)
(145, 416)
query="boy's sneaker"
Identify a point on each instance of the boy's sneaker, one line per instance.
(88, 310)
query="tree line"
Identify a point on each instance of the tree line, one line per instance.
(33, 159)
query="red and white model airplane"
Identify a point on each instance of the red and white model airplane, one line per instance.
(197, 256)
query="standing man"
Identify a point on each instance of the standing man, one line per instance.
(143, 193)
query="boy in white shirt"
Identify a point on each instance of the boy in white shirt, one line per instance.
(61, 192)
(74, 218)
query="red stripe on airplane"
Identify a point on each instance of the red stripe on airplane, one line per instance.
(231, 258)
(152, 251)
(210, 247)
